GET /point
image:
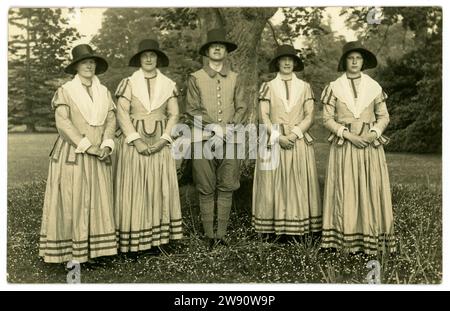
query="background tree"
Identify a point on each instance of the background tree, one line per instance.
(37, 50)
(180, 32)
(175, 29)
(409, 45)
(321, 63)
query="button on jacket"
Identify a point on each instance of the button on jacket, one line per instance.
(217, 97)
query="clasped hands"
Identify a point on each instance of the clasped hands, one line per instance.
(360, 141)
(144, 149)
(287, 141)
(100, 153)
(218, 137)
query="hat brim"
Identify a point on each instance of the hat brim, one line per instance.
(229, 45)
(101, 64)
(162, 61)
(370, 60)
(273, 65)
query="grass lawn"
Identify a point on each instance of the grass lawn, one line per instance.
(28, 161)
(28, 157)
(417, 199)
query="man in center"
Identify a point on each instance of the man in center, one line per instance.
(215, 95)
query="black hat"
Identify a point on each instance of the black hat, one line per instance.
(285, 50)
(370, 60)
(217, 36)
(149, 45)
(84, 51)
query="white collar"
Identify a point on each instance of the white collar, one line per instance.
(163, 89)
(95, 109)
(279, 88)
(368, 90)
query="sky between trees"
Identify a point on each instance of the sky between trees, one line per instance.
(88, 22)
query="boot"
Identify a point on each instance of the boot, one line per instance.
(224, 201)
(207, 214)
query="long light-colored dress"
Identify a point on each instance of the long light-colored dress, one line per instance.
(77, 221)
(357, 211)
(286, 199)
(147, 202)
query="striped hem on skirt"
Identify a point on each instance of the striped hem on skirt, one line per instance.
(287, 226)
(58, 251)
(133, 241)
(356, 242)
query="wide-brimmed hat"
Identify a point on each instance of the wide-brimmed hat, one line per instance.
(217, 36)
(370, 60)
(84, 51)
(149, 45)
(285, 50)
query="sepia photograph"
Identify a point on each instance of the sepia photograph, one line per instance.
(224, 145)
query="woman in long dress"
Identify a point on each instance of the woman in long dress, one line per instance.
(286, 197)
(357, 212)
(77, 221)
(147, 203)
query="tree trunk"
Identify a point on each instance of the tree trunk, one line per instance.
(244, 27)
(28, 101)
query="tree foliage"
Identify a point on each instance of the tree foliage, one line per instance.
(409, 43)
(38, 47)
(176, 30)
(180, 32)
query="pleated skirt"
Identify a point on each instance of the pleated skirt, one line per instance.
(147, 202)
(286, 198)
(78, 215)
(357, 207)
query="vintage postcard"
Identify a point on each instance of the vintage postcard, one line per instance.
(225, 145)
